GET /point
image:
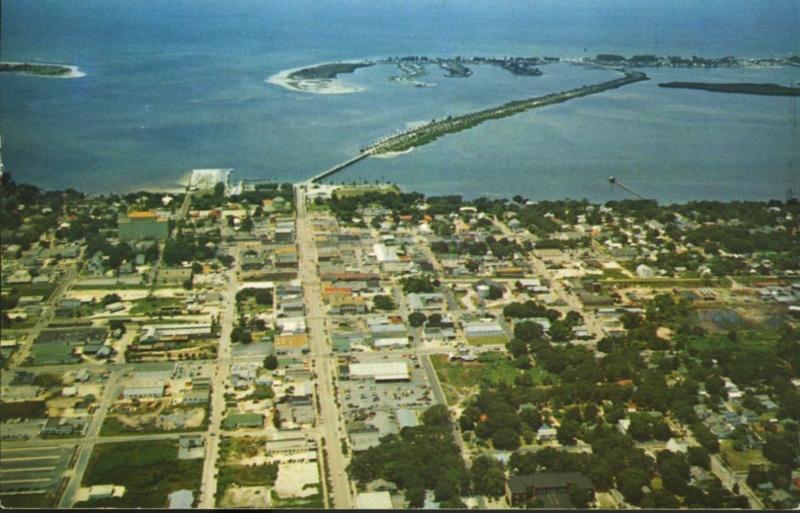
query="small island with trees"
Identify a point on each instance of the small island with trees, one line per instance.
(327, 71)
(740, 88)
(43, 70)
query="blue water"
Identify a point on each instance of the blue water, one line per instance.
(175, 85)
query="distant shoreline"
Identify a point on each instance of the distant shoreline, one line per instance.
(736, 88)
(42, 69)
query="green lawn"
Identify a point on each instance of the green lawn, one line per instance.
(740, 461)
(149, 471)
(485, 341)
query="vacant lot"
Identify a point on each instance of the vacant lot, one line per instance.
(740, 461)
(458, 378)
(149, 471)
(485, 341)
(155, 417)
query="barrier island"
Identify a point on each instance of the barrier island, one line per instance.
(431, 131)
(740, 88)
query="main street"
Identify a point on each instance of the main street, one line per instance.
(328, 415)
(220, 379)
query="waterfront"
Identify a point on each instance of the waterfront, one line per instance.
(157, 102)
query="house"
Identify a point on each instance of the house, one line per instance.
(546, 432)
(549, 487)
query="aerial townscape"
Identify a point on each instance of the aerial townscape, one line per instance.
(311, 345)
(201, 309)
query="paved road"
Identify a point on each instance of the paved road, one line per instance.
(221, 376)
(92, 433)
(328, 418)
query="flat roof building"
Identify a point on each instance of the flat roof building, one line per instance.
(380, 371)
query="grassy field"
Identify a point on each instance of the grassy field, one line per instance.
(740, 461)
(149, 471)
(458, 377)
(485, 341)
(149, 306)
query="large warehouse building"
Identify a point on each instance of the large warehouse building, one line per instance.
(380, 371)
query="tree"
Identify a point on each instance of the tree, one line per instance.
(111, 298)
(699, 457)
(528, 331)
(630, 482)
(531, 417)
(488, 477)
(197, 268)
(415, 497)
(580, 497)
(505, 439)
(276, 418)
(777, 450)
(437, 415)
(567, 432)
(383, 302)
(416, 319)
(271, 362)
(517, 348)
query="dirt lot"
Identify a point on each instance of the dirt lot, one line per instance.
(246, 497)
(293, 478)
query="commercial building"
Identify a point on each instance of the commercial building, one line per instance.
(142, 225)
(380, 371)
(144, 391)
(483, 329)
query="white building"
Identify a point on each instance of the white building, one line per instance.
(374, 500)
(380, 371)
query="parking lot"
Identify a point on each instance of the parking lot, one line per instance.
(25, 470)
(368, 395)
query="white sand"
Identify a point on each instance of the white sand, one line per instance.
(391, 154)
(314, 86)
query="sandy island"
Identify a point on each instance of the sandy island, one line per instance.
(314, 86)
(74, 71)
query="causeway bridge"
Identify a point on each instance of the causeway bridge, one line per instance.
(339, 167)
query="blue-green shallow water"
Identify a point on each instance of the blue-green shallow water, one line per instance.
(177, 85)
